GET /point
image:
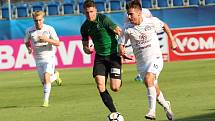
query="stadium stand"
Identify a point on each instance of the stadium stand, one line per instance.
(147, 3)
(178, 3)
(80, 8)
(162, 3)
(194, 2)
(53, 8)
(101, 5)
(209, 2)
(68, 7)
(22, 10)
(38, 6)
(5, 11)
(115, 5)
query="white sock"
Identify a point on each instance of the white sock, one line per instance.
(47, 90)
(162, 101)
(53, 77)
(151, 93)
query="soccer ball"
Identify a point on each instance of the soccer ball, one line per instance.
(115, 117)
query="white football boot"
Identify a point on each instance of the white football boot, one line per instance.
(150, 115)
(169, 113)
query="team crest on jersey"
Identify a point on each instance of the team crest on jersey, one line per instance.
(147, 28)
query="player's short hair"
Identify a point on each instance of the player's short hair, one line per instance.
(134, 4)
(38, 13)
(89, 3)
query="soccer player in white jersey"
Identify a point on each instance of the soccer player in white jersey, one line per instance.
(142, 33)
(41, 39)
(145, 13)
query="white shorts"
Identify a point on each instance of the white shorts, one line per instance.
(154, 66)
(44, 67)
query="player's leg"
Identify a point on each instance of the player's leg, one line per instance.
(151, 94)
(40, 70)
(49, 69)
(100, 74)
(154, 67)
(164, 103)
(115, 72)
(56, 77)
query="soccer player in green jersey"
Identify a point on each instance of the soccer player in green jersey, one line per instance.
(103, 33)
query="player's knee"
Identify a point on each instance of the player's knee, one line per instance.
(101, 88)
(115, 89)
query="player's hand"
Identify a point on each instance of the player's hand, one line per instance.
(88, 50)
(117, 30)
(126, 57)
(174, 45)
(30, 50)
(43, 38)
(122, 52)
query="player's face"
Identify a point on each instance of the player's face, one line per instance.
(134, 15)
(90, 13)
(38, 21)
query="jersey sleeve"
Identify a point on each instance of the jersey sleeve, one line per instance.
(146, 12)
(84, 33)
(158, 24)
(123, 38)
(53, 34)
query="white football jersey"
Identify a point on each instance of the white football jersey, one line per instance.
(43, 51)
(144, 39)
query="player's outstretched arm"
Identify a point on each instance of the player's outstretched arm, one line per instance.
(169, 34)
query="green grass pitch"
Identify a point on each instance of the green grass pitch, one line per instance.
(190, 86)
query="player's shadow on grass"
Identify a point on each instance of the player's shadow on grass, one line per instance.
(6, 107)
(205, 117)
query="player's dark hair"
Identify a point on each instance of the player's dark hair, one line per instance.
(89, 3)
(134, 4)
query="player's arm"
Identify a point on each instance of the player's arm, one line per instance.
(169, 34)
(85, 42)
(108, 23)
(49, 40)
(28, 46)
(121, 45)
(27, 42)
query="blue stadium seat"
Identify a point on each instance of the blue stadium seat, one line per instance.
(53, 8)
(22, 10)
(209, 2)
(162, 3)
(178, 2)
(38, 6)
(5, 11)
(80, 6)
(100, 5)
(68, 7)
(194, 2)
(147, 3)
(115, 5)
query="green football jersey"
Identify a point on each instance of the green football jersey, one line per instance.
(102, 35)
